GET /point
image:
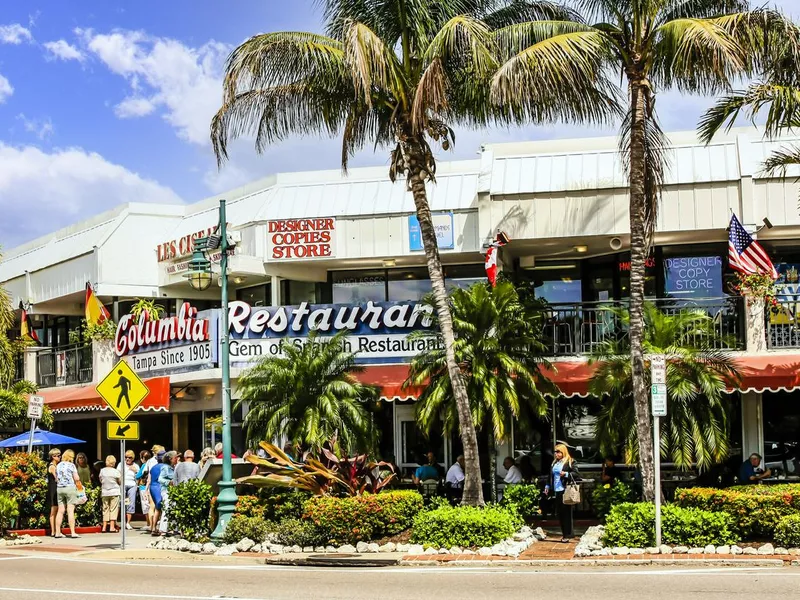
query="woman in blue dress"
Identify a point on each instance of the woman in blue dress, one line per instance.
(155, 491)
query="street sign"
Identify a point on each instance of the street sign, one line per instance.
(658, 396)
(35, 407)
(123, 430)
(658, 369)
(122, 390)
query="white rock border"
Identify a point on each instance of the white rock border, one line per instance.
(512, 546)
(590, 544)
(23, 540)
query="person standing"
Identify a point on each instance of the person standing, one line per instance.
(186, 470)
(205, 456)
(165, 479)
(562, 472)
(129, 470)
(110, 483)
(84, 469)
(68, 485)
(52, 487)
(154, 487)
(141, 478)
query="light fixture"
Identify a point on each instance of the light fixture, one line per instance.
(239, 280)
(553, 266)
(581, 249)
(389, 262)
(199, 270)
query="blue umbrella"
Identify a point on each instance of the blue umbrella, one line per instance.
(41, 437)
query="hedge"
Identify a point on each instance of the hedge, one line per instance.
(756, 509)
(362, 518)
(787, 533)
(633, 525)
(464, 526)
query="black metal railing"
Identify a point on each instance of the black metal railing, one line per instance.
(576, 329)
(66, 365)
(783, 323)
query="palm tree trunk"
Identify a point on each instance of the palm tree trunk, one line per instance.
(473, 492)
(639, 252)
(492, 464)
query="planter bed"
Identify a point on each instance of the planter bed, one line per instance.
(44, 532)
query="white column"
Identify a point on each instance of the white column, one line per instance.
(752, 424)
(30, 365)
(276, 291)
(756, 334)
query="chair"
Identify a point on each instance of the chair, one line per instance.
(429, 487)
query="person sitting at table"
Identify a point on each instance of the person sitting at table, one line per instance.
(611, 472)
(751, 471)
(455, 474)
(426, 471)
(513, 474)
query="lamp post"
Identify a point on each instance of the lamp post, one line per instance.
(200, 278)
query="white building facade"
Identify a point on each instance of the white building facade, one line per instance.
(318, 250)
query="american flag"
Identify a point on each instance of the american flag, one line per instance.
(745, 254)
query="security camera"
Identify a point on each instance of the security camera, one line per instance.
(768, 223)
(615, 243)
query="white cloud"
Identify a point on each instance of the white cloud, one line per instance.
(183, 82)
(63, 50)
(134, 107)
(14, 34)
(41, 128)
(43, 191)
(5, 89)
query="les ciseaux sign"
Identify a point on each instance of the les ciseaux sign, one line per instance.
(378, 332)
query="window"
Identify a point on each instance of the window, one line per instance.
(351, 287)
(260, 295)
(559, 291)
(408, 284)
(301, 291)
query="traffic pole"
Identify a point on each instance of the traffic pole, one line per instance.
(30, 439)
(657, 455)
(122, 508)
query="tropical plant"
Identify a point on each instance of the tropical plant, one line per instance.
(327, 476)
(309, 395)
(695, 46)
(695, 429)
(525, 498)
(606, 496)
(7, 355)
(499, 348)
(23, 477)
(464, 526)
(87, 333)
(9, 511)
(149, 307)
(777, 91)
(398, 74)
(14, 407)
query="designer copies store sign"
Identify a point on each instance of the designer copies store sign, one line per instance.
(378, 332)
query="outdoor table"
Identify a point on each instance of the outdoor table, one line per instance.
(780, 480)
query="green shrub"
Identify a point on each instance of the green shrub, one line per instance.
(525, 498)
(249, 506)
(9, 511)
(787, 532)
(188, 508)
(756, 509)
(90, 513)
(240, 527)
(24, 477)
(604, 497)
(281, 504)
(298, 532)
(464, 526)
(633, 525)
(362, 518)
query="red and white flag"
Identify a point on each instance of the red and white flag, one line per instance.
(491, 257)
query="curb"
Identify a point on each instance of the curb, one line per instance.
(336, 560)
(601, 562)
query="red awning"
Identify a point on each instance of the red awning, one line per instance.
(571, 377)
(769, 372)
(390, 379)
(86, 398)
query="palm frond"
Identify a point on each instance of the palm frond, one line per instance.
(782, 159)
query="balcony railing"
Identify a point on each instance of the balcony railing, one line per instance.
(575, 329)
(67, 365)
(783, 323)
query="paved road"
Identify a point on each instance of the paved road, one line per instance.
(55, 578)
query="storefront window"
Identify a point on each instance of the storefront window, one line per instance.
(464, 276)
(408, 284)
(301, 291)
(351, 287)
(260, 295)
(693, 277)
(782, 432)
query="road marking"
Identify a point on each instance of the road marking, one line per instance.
(118, 594)
(499, 570)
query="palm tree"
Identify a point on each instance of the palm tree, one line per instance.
(695, 429)
(398, 74)
(14, 406)
(7, 319)
(778, 90)
(499, 348)
(309, 395)
(696, 46)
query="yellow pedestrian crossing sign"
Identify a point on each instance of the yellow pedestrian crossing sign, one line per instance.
(123, 430)
(122, 390)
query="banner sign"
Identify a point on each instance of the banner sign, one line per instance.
(185, 342)
(377, 331)
(693, 277)
(291, 239)
(442, 224)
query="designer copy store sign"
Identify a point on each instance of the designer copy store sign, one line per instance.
(184, 342)
(379, 332)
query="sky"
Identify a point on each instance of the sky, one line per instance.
(104, 102)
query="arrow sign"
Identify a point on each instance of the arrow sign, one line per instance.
(123, 430)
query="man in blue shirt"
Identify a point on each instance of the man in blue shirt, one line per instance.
(751, 471)
(427, 471)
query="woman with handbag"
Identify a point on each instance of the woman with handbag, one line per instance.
(68, 487)
(564, 478)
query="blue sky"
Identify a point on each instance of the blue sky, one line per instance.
(104, 102)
